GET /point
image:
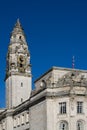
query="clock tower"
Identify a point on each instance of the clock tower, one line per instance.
(18, 69)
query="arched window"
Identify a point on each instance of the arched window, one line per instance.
(80, 125)
(20, 37)
(63, 125)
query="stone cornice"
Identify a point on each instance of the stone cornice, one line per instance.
(19, 74)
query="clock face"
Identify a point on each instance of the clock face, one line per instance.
(21, 63)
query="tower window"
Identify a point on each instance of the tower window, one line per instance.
(21, 84)
(20, 37)
(21, 65)
(21, 100)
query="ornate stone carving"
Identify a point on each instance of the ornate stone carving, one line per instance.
(43, 84)
(18, 47)
(72, 103)
(72, 79)
(49, 81)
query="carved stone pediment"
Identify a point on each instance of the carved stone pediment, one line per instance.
(72, 79)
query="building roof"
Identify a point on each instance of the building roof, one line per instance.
(59, 68)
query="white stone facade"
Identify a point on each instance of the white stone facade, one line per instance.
(58, 102)
(18, 90)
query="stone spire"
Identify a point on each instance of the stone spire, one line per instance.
(18, 52)
(18, 34)
(18, 27)
(18, 24)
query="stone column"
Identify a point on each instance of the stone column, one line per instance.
(9, 120)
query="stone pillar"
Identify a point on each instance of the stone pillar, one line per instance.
(9, 120)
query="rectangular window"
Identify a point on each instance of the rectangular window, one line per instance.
(21, 100)
(21, 84)
(79, 107)
(62, 107)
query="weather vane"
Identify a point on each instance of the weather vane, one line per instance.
(73, 62)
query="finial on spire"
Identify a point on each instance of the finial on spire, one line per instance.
(18, 20)
(18, 30)
(18, 24)
(73, 62)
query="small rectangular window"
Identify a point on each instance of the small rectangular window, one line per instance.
(62, 107)
(79, 107)
(21, 100)
(21, 84)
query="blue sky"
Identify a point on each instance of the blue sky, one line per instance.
(55, 31)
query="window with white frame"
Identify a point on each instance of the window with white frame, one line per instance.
(62, 107)
(63, 125)
(80, 125)
(79, 107)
